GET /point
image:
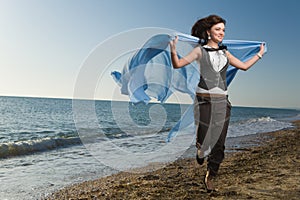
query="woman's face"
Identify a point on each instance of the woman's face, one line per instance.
(217, 32)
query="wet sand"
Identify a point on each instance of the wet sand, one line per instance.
(268, 171)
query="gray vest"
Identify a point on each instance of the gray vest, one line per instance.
(209, 77)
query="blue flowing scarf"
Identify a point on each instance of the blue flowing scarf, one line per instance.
(149, 72)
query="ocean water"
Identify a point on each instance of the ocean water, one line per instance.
(46, 144)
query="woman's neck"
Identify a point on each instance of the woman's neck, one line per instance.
(212, 44)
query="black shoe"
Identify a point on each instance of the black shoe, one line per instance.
(208, 178)
(200, 160)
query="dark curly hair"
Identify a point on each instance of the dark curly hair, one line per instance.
(201, 27)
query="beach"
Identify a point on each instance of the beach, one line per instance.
(268, 170)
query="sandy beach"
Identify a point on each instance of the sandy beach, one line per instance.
(270, 170)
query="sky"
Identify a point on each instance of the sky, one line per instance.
(44, 43)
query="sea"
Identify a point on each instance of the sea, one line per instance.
(49, 143)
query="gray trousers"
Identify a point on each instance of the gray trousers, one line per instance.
(212, 115)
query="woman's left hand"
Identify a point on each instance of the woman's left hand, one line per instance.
(262, 49)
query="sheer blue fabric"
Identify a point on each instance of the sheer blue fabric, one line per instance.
(149, 72)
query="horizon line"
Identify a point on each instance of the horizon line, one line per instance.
(153, 102)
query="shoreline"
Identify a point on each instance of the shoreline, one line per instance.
(268, 170)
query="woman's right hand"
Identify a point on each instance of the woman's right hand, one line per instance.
(173, 44)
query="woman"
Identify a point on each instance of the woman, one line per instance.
(212, 108)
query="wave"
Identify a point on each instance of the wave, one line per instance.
(20, 148)
(257, 125)
(261, 119)
(294, 118)
(253, 120)
(112, 133)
